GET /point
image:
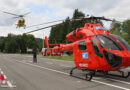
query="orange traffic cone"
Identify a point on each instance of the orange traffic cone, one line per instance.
(2, 76)
(3, 81)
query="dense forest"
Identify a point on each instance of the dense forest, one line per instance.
(58, 33)
(20, 43)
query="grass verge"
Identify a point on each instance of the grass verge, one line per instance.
(67, 58)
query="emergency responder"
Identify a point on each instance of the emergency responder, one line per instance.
(34, 55)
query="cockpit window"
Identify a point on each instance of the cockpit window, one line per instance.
(108, 42)
(82, 45)
(100, 27)
(96, 48)
(127, 46)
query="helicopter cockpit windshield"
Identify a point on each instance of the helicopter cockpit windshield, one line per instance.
(127, 46)
(101, 27)
(108, 42)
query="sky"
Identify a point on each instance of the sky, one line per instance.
(50, 10)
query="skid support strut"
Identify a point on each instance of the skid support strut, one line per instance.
(88, 75)
(123, 74)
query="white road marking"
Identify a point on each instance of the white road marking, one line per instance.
(111, 85)
(29, 56)
(65, 66)
(49, 62)
(5, 77)
(43, 67)
(9, 84)
(56, 60)
(24, 60)
(2, 72)
(68, 74)
(27, 61)
(114, 80)
(78, 81)
(119, 81)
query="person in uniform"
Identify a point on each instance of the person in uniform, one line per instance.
(34, 55)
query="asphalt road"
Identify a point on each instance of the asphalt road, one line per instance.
(49, 74)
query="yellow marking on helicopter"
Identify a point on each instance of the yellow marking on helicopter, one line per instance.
(21, 21)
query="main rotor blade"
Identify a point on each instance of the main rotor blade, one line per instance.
(11, 14)
(26, 13)
(82, 18)
(49, 26)
(53, 22)
(45, 23)
(15, 17)
(43, 28)
(101, 18)
(71, 20)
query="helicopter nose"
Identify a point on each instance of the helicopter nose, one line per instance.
(113, 59)
(129, 57)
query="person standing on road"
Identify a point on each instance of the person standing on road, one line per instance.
(34, 55)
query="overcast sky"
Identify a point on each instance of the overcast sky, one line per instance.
(49, 10)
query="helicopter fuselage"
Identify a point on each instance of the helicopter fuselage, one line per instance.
(96, 49)
(21, 23)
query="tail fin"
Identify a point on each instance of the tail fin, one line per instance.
(47, 43)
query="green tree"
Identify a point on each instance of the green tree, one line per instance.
(116, 27)
(126, 29)
(31, 41)
(11, 44)
(58, 33)
(77, 24)
(1, 45)
(66, 29)
(122, 29)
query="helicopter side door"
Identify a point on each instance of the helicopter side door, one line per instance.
(81, 55)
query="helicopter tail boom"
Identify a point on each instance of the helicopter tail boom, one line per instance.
(58, 48)
(63, 48)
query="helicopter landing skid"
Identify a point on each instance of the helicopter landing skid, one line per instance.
(88, 76)
(123, 74)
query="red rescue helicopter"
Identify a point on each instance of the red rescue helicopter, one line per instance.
(94, 49)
